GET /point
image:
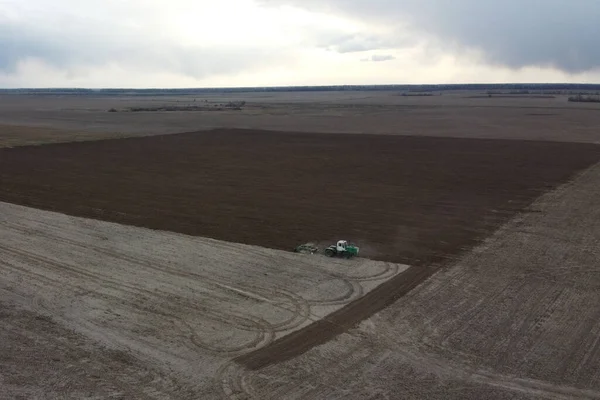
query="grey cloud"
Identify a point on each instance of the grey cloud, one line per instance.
(516, 33)
(379, 58)
(359, 42)
(355, 43)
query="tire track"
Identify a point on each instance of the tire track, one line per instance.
(355, 290)
(232, 380)
(348, 281)
(263, 328)
(299, 307)
(390, 271)
(336, 323)
(297, 302)
(39, 305)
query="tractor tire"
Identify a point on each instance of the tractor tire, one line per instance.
(329, 253)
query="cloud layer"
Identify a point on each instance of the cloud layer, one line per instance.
(150, 43)
(562, 34)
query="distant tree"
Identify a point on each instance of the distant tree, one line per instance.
(584, 99)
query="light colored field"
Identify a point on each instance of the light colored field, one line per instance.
(452, 115)
(180, 305)
(518, 318)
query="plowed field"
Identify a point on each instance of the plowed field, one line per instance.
(416, 200)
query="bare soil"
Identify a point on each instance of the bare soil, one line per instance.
(414, 200)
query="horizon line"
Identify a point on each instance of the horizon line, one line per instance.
(291, 87)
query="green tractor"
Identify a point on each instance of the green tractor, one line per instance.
(342, 249)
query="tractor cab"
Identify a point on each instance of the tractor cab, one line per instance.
(341, 246)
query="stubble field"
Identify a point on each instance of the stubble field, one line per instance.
(51, 118)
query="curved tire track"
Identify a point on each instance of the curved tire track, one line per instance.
(300, 307)
(265, 333)
(338, 322)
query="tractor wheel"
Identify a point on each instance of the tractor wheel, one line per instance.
(329, 253)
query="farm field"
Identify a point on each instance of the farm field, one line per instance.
(159, 266)
(454, 114)
(413, 200)
(158, 298)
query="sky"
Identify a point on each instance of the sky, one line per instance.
(218, 43)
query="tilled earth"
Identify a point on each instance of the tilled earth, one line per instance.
(415, 200)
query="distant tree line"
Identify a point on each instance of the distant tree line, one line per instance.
(522, 88)
(232, 105)
(580, 98)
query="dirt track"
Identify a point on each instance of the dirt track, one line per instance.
(414, 200)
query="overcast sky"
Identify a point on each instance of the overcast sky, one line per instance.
(198, 43)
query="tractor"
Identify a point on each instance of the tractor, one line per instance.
(342, 249)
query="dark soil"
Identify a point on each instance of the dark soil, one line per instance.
(418, 200)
